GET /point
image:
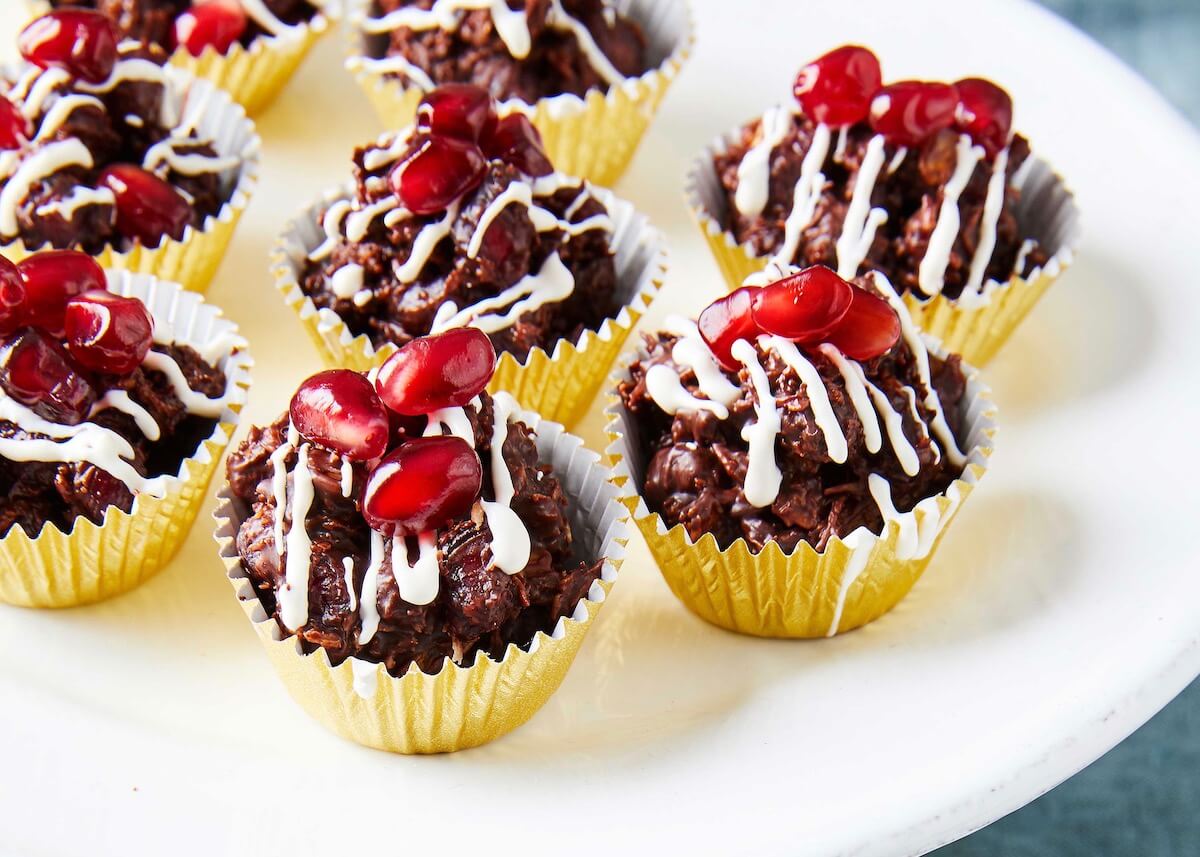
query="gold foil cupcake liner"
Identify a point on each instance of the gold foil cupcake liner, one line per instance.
(92, 561)
(253, 76)
(457, 707)
(594, 137)
(855, 580)
(559, 385)
(193, 259)
(976, 326)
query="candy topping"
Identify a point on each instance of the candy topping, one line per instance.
(869, 328)
(82, 42)
(213, 23)
(726, 320)
(803, 306)
(460, 110)
(148, 208)
(38, 373)
(108, 333)
(435, 372)
(439, 172)
(985, 112)
(516, 141)
(911, 111)
(340, 409)
(12, 296)
(14, 127)
(837, 88)
(422, 485)
(50, 280)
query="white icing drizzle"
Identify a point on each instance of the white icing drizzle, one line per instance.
(763, 476)
(39, 165)
(417, 582)
(365, 677)
(818, 396)
(120, 400)
(510, 539)
(393, 65)
(195, 403)
(806, 194)
(893, 422)
(858, 231)
(348, 576)
(279, 484)
(560, 20)
(932, 271)
(368, 606)
(423, 246)
(665, 388)
(1023, 255)
(861, 543)
(347, 280)
(135, 71)
(857, 391)
(60, 111)
(754, 172)
(259, 13)
(292, 597)
(839, 150)
(917, 535)
(452, 420)
(377, 158)
(358, 222)
(79, 197)
(692, 353)
(135, 121)
(897, 160)
(551, 284)
(993, 204)
(192, 164)
(347, 477)
(331, 223)
(41, 85)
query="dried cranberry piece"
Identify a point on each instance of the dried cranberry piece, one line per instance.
(804, 305)
(910, 112)
(869, 328)
(433, 372)
(39, 374)
(518, 143)
(215, 23)
(339, 409)
(108, 333)
(51, 279)
(14, 127)
(441, 170)
(726, 320)
(422, 485)
(12, 297)
(837, 88)
(148, 208)
(985, 112)
(460, 110)
(83, 42)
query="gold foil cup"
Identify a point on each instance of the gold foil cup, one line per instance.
(97, 561)
(594, 137)
(559, 385)
(193, 259)
(253, 76)
(855, 580)
(458, 707)
(974, 327)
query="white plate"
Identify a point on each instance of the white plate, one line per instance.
(1061, 613)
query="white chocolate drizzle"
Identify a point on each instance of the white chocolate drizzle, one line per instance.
(931, 273)
(552, 283)
(37, 167)
(862, 220)
(763, 476)
(806, 195)
(993, 205)
(80, 197)
(510, 538)
(754, 172)
(417, 582)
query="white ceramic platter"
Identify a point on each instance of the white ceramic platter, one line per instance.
(1061, 613)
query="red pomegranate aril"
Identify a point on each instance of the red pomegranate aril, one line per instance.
(910, 112)
(215, 23)
(460, 110)
(12, 297)
(726, 320)
(340, 409)
(83, 42)
(869, 328)
(837, 88)
(517, 142)
(804, 305)
(14, 127)
(51, 279)
(108, 333)
(442, 170)
(434, 372)
(422, 485)
(38, 374)
(985, 112)
(148, 208)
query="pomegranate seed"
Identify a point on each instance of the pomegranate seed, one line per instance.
(803, 306)
(51, 279)
(442, 170)
(422, 485)
(339, 409)
(460, 110)
(38, 373)
(433, 372)
(517, 142)
(910, 112)
(984, 112)
(108, 333)
(148, 208)
(837, 88)
(14, 127)
(726, 320)
(12, 297)
(869, 328)
(83, 42)
(216, 23)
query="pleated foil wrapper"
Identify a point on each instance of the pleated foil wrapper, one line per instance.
(802, 594)
(975, 326)
(594, 137)
(93, 562)
(193, 260)
(559, 385)
(254, 75)
(457, 707)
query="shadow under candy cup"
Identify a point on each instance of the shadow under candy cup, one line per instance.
(804, 594)
(254, 75)
(458, 707)
(559, 385)
(193, 260)
(93, 562)
(593, 137)
(973, 326)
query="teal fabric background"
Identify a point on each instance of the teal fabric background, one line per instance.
(1143, 798)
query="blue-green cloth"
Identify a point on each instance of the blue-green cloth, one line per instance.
(1143, 798)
